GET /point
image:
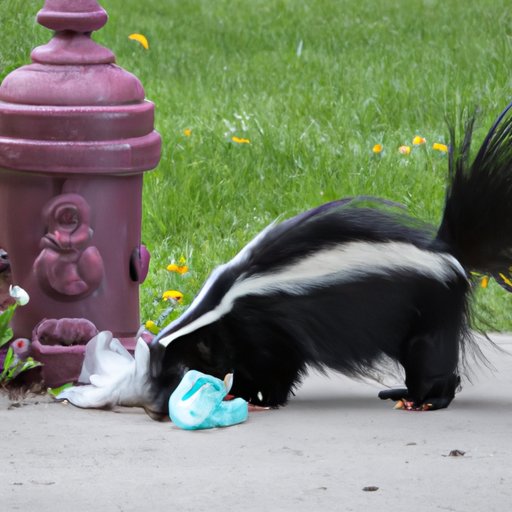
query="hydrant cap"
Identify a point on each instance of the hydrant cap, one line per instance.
(79, 15)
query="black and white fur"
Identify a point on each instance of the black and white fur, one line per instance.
(345, 286)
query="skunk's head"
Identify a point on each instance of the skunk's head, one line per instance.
(198, 340)
(203, 350)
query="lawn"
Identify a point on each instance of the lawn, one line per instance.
(312, 86)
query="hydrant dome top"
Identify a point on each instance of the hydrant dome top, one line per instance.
(72, 69)
(71, 85)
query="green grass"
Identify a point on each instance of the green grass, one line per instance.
(317, 84)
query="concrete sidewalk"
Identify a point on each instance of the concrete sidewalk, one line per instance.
(335, 447)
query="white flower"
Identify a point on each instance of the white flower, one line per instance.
(19, 295)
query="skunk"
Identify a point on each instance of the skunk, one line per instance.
(344, 286)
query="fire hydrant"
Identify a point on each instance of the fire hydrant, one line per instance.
(76, 136)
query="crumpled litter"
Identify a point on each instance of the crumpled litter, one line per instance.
(113, 375)
(198, 403)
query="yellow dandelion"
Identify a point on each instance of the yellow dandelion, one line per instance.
(405, 150)
(440, 147)
(417, 141)
(240, 140)
(140, 39)
(152, 327)
(484, 282)
(187, 132)
(505, 279)
(179, 269)
(377, 148)
(172, 295)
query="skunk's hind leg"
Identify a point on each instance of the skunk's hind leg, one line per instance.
(430, 354)
(430, 364)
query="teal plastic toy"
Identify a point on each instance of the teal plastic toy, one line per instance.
(198, 403)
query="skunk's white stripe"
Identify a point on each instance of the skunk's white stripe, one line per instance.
(342, 263)
(239, 257)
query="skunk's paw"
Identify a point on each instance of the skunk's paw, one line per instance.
(407, 405)
(404, 402)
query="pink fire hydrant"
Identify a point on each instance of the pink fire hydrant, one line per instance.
(76, 135)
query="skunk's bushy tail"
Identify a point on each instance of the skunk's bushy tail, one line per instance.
(477, 218)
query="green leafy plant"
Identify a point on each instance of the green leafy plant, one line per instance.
(13, 364)
(5, 331)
